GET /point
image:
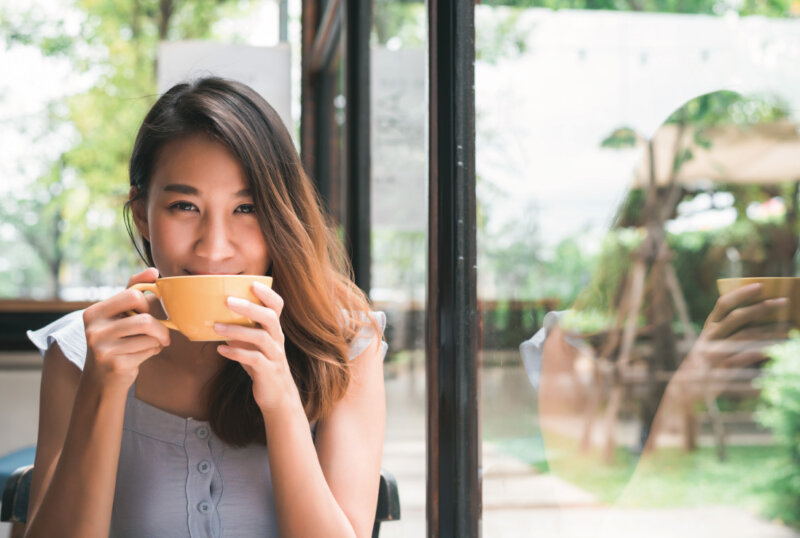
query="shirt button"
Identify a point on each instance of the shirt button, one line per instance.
(204, 466)
(204, 508)
(202, 432)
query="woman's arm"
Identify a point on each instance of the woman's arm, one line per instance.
(330, 489)
(80, 428)
(59, 384)
(338, 495)
(81, 416)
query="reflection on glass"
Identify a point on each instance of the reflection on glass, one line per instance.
(625, 391)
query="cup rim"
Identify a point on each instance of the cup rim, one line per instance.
(214, 276)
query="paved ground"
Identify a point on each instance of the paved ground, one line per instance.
(521, 503)
(518, 502)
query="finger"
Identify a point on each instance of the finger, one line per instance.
(141, 356)
(258, 337)
(717, 349)
(135, 344)
(729, 301)
(269, 297)
(263, 315)
(117, 305)
(249, 358)
(148, 275)
(768, 332)
(750, 315)
(720, 353)
(140, 324)
(744, 359)
(714, 351)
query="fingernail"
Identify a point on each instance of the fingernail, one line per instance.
(779, 301)
(222, 348)
(259, 286)
(220, 327)
(237, 301)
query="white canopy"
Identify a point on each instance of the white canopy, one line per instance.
(543, 115)
(764, 154)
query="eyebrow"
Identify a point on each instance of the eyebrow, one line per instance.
(188, 189)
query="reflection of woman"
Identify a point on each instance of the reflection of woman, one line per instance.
(734, 336)
(145, 433)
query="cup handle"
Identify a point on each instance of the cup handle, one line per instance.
(152, 288)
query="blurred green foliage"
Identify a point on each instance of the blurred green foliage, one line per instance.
(404, 21)
(77, 234)
(698, 257)
(780, 412)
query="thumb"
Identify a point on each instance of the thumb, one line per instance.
(148, 275)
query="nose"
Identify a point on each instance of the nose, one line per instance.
(215, 241)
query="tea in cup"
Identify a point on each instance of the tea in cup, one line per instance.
(193, 303)
(771, 288)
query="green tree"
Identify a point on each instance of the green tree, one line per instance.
(402, 20)
(779, 411)
(80, 226)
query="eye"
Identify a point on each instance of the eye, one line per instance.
(246, 208)
(183, 206)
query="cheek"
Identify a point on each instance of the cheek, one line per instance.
(167, 234)
(257, 248)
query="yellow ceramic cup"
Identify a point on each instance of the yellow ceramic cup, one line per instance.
(771, 287)
(194, 303)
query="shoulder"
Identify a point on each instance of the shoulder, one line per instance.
(372, 326)
(68, 333)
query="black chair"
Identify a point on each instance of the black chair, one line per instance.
(14, 507)
(388, 502)
(18, 488)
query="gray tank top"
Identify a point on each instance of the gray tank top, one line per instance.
(176, 478)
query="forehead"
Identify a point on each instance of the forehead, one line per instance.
(200, 161)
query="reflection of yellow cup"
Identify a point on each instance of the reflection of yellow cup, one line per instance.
(194, 303)
(771, 287)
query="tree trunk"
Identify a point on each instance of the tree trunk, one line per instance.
(167, 8)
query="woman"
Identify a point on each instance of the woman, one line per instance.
(277, 431)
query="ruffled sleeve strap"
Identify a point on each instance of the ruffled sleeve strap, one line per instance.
(532, 350)
(367, 335)
(68, 331)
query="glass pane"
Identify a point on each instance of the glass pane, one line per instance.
(69, 68)
(399, 243)
(77, 80)
(626, 162)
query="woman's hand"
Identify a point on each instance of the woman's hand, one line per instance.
(260, 349)
(118, 343)
(734, 336)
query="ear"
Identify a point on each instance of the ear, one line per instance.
(139, 211)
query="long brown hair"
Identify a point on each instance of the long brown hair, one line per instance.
(323, 309)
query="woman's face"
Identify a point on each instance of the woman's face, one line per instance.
(199, 215)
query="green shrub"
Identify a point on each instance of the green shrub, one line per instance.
(779, 410)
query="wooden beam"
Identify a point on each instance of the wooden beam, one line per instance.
(327, 37)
